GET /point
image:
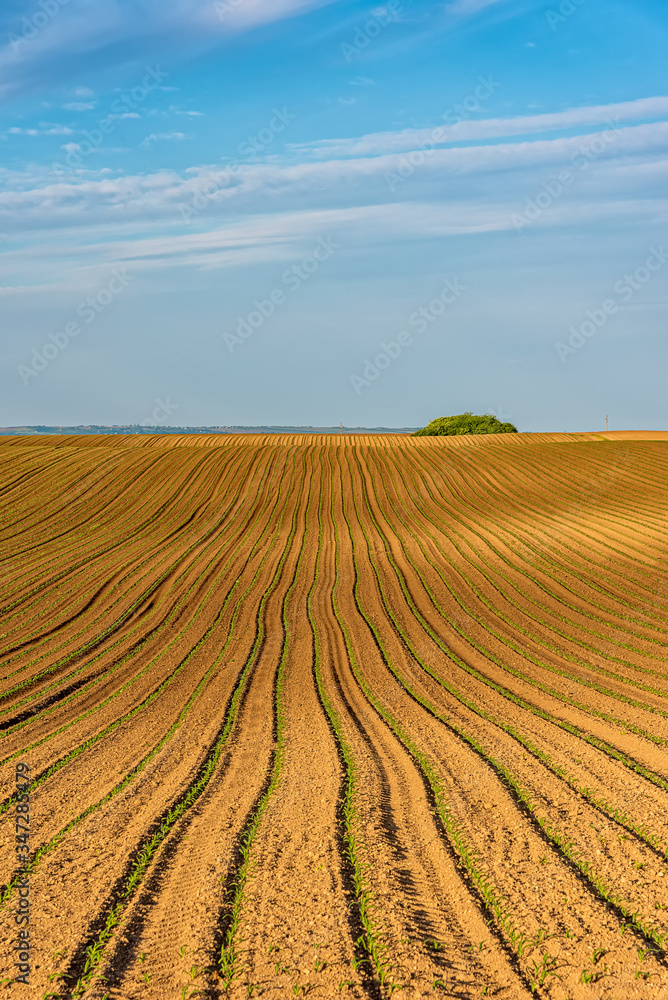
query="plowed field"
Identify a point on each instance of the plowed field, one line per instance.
(335, 716)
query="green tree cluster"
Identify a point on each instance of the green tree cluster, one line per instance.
(466, 423)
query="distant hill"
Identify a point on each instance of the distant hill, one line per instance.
(139, 429)
(466, 423)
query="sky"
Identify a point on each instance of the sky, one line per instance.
(301, 212)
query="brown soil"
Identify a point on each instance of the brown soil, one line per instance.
(337, 715)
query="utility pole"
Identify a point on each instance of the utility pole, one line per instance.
(606, 421)
(342, 426)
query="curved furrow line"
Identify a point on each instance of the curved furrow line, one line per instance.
(523, 650)
(119, 722)
(138, 645)
(174, 534)
(240, 605)
(542, 824)
(89, 954)
(154, 589)
(137, 539)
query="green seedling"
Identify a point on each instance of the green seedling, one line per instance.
(319, 966)
(597, 955)
(588, 977)
(183, 950)
(547, 967)
(543, 860)
(438, 984)
(146, 977)
(142, 957)
(345, 982)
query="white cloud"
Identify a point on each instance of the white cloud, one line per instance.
(635, 161)
(191, 114)
(101, 26)
(160, 136)
(279, 237)
(377, 143)
(45, 129)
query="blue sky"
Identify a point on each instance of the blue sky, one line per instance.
(301, 212)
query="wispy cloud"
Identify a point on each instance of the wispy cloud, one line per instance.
(161, 137)
(377, 143)
(190, 114)
(45, 129)
(633, 167)
(38, 54)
